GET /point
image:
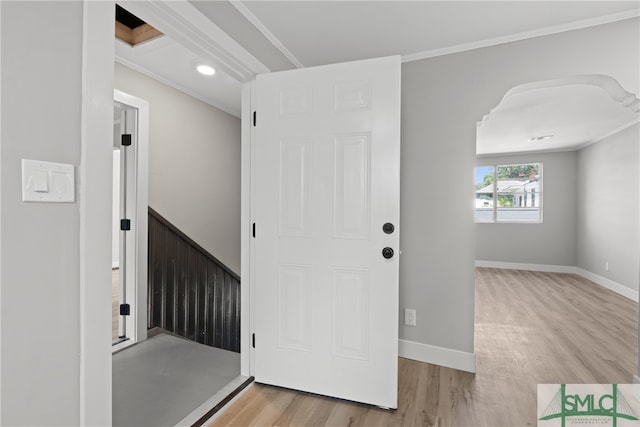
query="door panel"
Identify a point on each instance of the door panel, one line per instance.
(351, 313)
(294, 308)
(295, 191)
(327, 178)
(351, 212)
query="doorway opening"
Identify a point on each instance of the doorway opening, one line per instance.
(182, 51)
(124, 257)
(184, 298)
(584, 130)
(541, 193)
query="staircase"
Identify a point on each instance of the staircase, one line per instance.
(190, 292)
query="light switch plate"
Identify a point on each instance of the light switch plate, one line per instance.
(47, 182)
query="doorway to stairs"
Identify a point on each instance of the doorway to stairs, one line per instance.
(186, 309)
(129, 220)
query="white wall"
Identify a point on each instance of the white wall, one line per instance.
(442, 99)
(552, 242)
(194, 165)
(45, 350)
(608, 229)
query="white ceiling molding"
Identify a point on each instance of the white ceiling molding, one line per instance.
(609, 134)
(567, 113)
(568, 149)
(176, 86)
(606, 83)
(522, 36)
(244, 10)
(186, 25)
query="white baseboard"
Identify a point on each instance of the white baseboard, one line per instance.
(636, 387)
(437, 355)
(598, 280)
(609, 284)
(530, 267)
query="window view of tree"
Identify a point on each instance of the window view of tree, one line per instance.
(516, 190)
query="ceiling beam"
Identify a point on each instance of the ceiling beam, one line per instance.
(186, 25)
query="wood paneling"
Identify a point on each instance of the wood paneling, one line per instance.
(191, 293)
(531, 328)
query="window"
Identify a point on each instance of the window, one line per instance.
(509, 193)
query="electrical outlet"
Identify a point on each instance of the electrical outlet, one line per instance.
(606, 266)
(409, 317)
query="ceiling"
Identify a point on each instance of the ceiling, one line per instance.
(324, 32)
(169, 62)
(559, 115)
(289, 34)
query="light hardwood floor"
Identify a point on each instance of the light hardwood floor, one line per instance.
(531, 328)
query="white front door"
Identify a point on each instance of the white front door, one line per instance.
(327, 154)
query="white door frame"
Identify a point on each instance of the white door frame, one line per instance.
(94, 200)
(247, 287)
(137, 260)
(188, 26)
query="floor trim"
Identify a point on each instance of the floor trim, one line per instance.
(609, 284)
(529, 267)
(598, 280)
(441, 356)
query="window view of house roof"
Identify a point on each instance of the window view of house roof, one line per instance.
(510, 186)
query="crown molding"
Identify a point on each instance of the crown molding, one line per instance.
(564, 149)
(609, 134)
(244, 10)
(185, 24)
(175, 86)
(522, 36)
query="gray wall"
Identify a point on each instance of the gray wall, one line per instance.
(608, 188)
(442, 99)
(590, 205)
(551, 242)
(194, 165)
(41, 112)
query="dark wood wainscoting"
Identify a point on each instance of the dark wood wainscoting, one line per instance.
(191, 293)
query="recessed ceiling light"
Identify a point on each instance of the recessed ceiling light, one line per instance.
(540, 138)
(206, 70)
